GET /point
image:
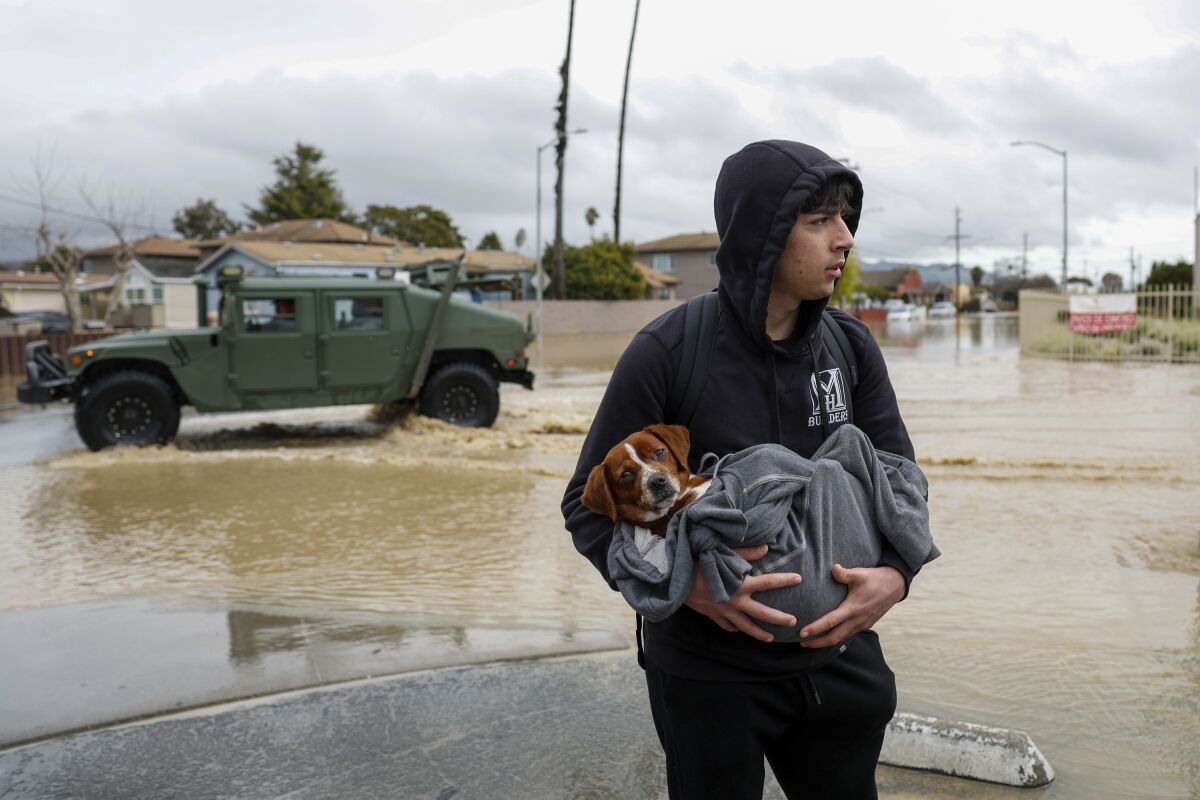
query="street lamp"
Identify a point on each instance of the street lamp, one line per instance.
(538, 275)
(1062, 153)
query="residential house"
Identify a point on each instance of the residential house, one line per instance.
(492, 274)
(327, 231)
(902, 282)
(659, 285)
(159, 288)
(690, 257)
(22, 290)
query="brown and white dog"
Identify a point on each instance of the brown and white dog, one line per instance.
(645, 479)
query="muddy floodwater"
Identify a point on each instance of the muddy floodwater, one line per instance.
(1065, 498)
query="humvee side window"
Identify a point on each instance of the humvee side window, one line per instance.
(358, 313)
(276, 315)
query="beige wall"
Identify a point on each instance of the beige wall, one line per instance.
(588, 316)
(694, 273)
(33, 299)
(179, 301)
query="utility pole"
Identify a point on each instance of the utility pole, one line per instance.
(1062, 153)
(1132, 278)
(1196, 233)
(957, 237)
(1024, 257)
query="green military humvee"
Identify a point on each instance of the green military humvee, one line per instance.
(290, 342)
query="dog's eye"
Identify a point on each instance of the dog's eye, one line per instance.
(659, 453)
(626, 476)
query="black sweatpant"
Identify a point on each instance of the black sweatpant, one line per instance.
(821, 732)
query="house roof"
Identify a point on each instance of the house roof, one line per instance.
(681, 241)
(318, 253)
(654, 278)
(154, 246)
(329, 231)
(21, 278)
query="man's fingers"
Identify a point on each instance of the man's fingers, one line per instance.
(744, 625)
(832, 637)
(772, 580)
(825, 623)
(761, 612)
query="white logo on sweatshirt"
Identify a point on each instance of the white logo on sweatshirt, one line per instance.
(829, 397)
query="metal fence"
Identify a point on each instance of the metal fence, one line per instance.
(1161, 323)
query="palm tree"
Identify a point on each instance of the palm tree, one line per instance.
(621, 133)
(560, 272)
(591, 215)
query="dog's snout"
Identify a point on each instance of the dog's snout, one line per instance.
(658, 481)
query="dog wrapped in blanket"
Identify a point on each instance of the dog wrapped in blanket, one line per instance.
(838, 507)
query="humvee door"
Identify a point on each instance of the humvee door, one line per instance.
(365, 338)
(274, 346)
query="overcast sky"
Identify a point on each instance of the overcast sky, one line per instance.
(155, 104)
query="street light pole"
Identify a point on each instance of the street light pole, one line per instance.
(1062, 153)
(537, 255)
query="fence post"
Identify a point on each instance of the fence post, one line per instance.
(1171, 290)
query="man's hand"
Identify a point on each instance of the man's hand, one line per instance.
(873, 591)
(736, 613)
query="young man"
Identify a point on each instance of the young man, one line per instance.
(723, 695)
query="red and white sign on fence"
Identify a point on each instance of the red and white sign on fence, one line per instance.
(1102, 313)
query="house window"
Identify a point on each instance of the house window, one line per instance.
(358, 313)
(663, 262)
(274, 315)
(157, 294)
(664, 293)
(712, 258)
(135, 289)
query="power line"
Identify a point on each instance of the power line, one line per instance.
(72, 214)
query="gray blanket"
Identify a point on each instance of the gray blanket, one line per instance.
(836, 508)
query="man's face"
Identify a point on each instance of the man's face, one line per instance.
(812, 259)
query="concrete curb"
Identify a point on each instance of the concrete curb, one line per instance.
(965, 750)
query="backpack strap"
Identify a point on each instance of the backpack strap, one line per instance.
(699, 332)
(838, 345)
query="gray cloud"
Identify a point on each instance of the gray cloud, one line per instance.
(876, 84)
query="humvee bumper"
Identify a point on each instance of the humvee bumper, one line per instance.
(46, 375)
(524, 377)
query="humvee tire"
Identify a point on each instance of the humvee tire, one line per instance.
(461, 394)
(127, 408)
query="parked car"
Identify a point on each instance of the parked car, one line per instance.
(52, 321)
(942, 309)
(290, 342)
(901, 311)
(988, 305)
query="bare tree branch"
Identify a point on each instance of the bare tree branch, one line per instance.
(57, 253)
(118, 217)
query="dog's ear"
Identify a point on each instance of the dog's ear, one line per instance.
(676, 438)
(597, 495)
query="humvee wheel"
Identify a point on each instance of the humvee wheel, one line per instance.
(461, 394)
(126, 409)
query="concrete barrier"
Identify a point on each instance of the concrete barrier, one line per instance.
(965, 750)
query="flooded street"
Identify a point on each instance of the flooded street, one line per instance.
(1064, 498)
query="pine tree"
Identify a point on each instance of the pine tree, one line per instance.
(301, 190)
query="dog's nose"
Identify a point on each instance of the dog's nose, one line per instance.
(658, 482)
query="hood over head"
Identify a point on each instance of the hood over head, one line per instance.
(760, 191)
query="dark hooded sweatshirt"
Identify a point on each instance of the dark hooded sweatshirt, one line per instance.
(757, 391)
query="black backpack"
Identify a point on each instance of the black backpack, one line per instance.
(699, 331)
